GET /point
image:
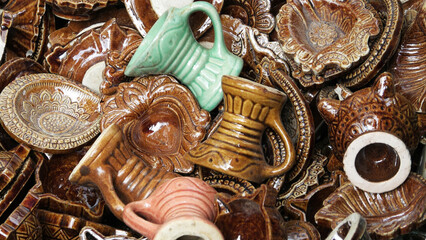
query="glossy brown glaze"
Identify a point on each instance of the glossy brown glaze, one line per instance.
(18, 67)
(66, 227)
(352, 227)
(15, 169)
(144, 16)
(337, 34)
(301, 230)
(21, 25)
(77, 10)
(120, 175)
(387, 214)
(251, 217)
(377, 108)
(238, 152)
(409, 67)
(30, 116)
(377, 162)
(54, 177)
(382, 48)
(160, 118)
(76, 58)
(254, 13)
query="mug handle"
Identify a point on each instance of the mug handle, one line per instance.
(137, 223)
(274, 121)
(210, 10)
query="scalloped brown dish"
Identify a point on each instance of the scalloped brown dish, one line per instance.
(49, 113)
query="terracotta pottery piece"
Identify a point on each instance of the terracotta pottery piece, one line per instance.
(121, 176)
(22, 27)
(352, 227)
(320, 35)
(160, 118)
(252, 216)
(373, 132)
(145, 13)
(387, 214)
(253, 13)
(31, 113)
(78, 10)
(180, 207)
(83, 58)
(249, 108)
(409, 66)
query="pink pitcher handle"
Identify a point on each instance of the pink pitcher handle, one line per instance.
(137, 223)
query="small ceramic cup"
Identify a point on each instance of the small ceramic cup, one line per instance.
(182, 206)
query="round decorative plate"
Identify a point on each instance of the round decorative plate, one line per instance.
(49, 113)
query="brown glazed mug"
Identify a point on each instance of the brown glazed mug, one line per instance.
(182, 206)
(235, 147)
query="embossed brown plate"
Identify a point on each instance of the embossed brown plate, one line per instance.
(49, 112)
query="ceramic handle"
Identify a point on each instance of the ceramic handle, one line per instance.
(137, 223)
(290, 153)
(207, 8)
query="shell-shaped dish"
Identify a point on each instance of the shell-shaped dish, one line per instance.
(388, 214)
(320, 35)
(49, 112)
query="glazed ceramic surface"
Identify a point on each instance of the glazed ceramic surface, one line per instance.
(387, 214)
(77, 10)
(249, 108)
(337, 33)
(121, 176)
(170, 206)
(200, 69)
(83, 58)
(373, 143)
(160, 119)
(49, 113)
(20, 25)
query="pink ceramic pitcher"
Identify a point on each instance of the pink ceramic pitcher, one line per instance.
(182, 206)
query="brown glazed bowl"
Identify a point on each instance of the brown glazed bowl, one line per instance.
(319, 35)
(49, 113)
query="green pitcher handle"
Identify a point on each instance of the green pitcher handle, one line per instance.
(219, 43)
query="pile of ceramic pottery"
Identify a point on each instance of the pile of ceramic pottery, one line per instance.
(214, 119)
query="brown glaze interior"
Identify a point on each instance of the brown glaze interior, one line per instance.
(377, 162)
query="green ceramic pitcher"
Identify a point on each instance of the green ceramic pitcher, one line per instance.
(170, 48)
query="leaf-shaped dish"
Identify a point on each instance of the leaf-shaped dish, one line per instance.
(388, 214)
(49, 112)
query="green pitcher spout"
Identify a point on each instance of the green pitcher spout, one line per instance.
(170, 48)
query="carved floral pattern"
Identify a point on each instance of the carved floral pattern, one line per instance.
(338, 33)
